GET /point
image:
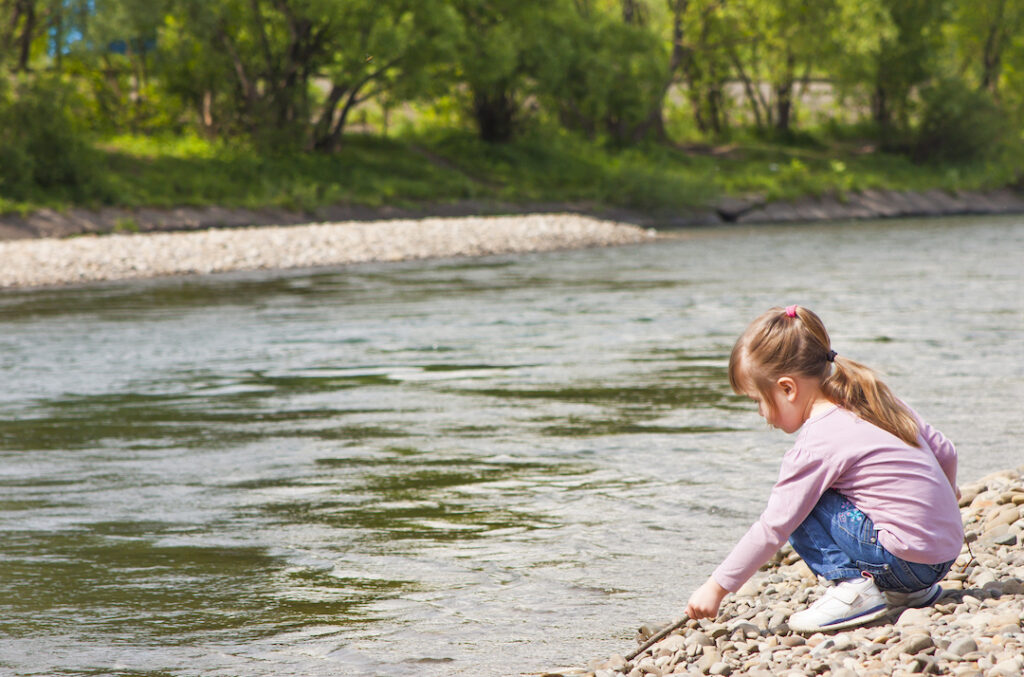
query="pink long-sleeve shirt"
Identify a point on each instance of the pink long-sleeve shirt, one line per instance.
(908, 492)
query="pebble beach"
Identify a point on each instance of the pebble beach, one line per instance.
(974, 629)
(93, 258)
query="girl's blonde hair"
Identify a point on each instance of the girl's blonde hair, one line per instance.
(793, 341)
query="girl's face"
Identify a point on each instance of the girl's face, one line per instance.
(786, 412)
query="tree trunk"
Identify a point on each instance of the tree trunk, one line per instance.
(632, 12)
(748, 87)
(784, 96)
(495, 113)
(245, 83)
(323, 128)
(880, 111)
(992, 55)
(58, 37)
(28, 10)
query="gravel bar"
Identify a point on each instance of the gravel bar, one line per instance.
(974, 629)
(28, 263)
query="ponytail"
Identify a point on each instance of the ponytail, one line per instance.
(857, 388)
(793, 341)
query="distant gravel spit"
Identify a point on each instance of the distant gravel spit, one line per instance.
(29, 263)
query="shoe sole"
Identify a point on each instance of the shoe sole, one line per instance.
(866, 617)
(939, 591)
(931, 600)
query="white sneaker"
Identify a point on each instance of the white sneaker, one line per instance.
(844, 605)
(916, 599)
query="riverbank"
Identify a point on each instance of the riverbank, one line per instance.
(55, 248)
(753, 209)
(974, 629)
(53, 261)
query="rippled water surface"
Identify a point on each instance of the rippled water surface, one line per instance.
(461, 467)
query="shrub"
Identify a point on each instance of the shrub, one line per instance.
(958, 124)
(42, 149)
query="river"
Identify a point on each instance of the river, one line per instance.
(454, 467)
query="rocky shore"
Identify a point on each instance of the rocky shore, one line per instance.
(975, 628)
(54, 248)
(90, 258)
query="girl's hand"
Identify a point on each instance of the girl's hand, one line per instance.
(705, 600)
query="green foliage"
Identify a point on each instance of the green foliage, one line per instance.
(959, 124)
(42, 149)
(258, 102)
(600, 74)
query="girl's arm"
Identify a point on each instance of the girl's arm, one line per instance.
(945, 452)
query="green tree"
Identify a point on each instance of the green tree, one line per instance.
(601, 71)
(495, 38)
(777, 47)
(906, 59)
(293, 70)
(985, 30)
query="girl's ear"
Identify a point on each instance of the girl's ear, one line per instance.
(788, 386)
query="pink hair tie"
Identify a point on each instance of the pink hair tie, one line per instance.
(791, 311)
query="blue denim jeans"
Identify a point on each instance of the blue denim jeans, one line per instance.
(838, 541)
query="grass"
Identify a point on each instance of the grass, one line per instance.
(452, 166)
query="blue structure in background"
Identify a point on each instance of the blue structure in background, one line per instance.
(71, 30)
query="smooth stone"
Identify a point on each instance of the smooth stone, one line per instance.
(1006, 516)
(749, 589)
(617, 662)
(982, 577)
(699, 638)
(720, 668)
(777, 624)
(962, 646)
(1008, 668)
(709, 659)
(647, 664)
(843, 642)
(716, 630)
(913, 616)
(990, 535)
(916, 643)
(669, 645)
(1002, 620)
(745, 630)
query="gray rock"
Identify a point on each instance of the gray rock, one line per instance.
(709, 659)
(647, 664)
(669, 645)
(916, 643)
(1010, 667)
(745, 631)
(716, 630)
(962, 645)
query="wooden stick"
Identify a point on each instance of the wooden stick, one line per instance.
(657, 637)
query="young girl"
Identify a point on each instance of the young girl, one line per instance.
(867, 495)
